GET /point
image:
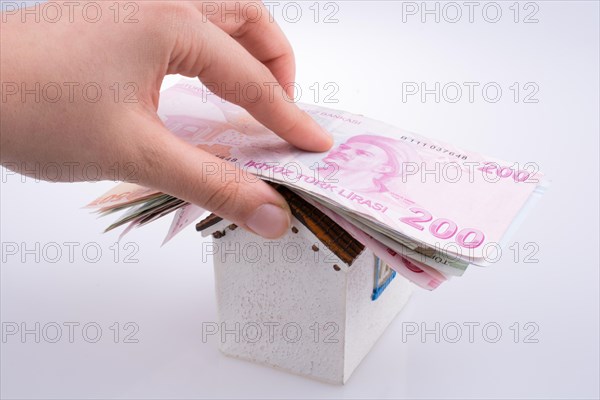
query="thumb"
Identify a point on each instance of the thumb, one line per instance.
(168, 164)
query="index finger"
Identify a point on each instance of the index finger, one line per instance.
(255, 28)
(228, 69)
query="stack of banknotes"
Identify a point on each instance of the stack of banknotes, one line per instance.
(427, 208)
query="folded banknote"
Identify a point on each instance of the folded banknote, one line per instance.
(440, 206)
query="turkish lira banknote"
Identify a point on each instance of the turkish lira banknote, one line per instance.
(431, 203)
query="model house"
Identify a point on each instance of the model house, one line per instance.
(312, 303)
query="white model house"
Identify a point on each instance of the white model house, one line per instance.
(312, 303)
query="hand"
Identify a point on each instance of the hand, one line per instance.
(83, 55)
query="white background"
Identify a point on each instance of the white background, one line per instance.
(368, 54)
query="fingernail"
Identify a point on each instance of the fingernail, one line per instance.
(269, 221)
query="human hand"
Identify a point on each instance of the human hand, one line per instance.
(128, 61)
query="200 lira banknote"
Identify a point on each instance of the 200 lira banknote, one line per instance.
(408, 192)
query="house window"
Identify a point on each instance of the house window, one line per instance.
(383, 276)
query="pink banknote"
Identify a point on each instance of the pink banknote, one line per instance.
(418, 273)
(406, 185)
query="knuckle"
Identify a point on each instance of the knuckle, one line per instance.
(166, 19)
(287, 118)
(223, 200)
(146, 158)
(289, 127)
(181, 10)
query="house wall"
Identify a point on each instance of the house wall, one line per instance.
(367, 319)
(314, 320)
(284, 292)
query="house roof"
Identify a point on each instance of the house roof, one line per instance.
(333, 236)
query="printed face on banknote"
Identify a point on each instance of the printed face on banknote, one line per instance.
(426, 208)
(418, 191)
(370, 161)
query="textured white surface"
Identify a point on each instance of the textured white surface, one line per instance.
(290, 309)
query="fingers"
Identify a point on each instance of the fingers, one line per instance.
(225, 67)
(172, 166)
(267, 43)
(253, 27)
